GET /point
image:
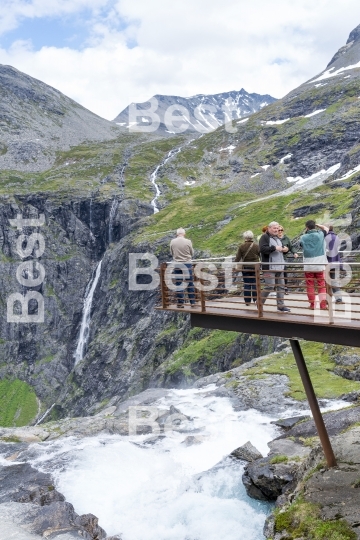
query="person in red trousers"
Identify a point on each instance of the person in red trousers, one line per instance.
(314, 255)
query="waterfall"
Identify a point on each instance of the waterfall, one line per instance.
(113, 209)
(91, 220)
(122, 179)
(153, 176)
(85, 322)
(44, 415)
(90, 214)
(157, 190)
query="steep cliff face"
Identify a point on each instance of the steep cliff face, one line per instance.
(130, 345)
(76, 235)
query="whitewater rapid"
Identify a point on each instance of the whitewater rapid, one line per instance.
(156, 492)
(164, 488)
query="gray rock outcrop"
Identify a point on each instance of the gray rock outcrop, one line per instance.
(246, 452)
(31, 508)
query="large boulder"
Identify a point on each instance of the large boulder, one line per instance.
(264, 480)
(246, 452)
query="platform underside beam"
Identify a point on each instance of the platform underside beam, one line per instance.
(287, 329)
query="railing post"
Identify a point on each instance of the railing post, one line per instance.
(164, 288)
(202, 294)
(314, 405)
(329, 294)
(202, 298)
(258, 291)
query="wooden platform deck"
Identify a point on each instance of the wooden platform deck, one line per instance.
(298, 303)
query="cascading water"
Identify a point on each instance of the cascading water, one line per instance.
(153, 176)
(114, 207)
(90, 214)
(85, 322)
(91, 219)
(120, 171)
(178, 486)
(159, 490)
(45, 414)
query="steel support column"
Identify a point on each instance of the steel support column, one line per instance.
(314, 405)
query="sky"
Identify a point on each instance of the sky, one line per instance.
(106, 54)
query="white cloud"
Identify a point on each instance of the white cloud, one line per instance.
(14, 11)
(184, 47)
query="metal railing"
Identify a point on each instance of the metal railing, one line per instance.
(224, 287)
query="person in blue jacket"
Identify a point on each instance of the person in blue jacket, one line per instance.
(314, 257)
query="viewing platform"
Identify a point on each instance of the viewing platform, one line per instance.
(220, 301)
(214, 291)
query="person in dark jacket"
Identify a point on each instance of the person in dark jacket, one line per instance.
(286, 242)
(273, 263)
(333, 244)
(247, 252)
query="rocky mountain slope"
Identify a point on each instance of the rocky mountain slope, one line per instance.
(199, 114)
(36, 121)
(96, 199)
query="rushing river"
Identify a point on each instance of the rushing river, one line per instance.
(155, 492)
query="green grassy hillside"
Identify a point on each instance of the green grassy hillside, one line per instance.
(18, 403)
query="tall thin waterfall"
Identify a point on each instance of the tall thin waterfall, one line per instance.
(45, 414)
(91, 219)
(113, 209)
(85, 322)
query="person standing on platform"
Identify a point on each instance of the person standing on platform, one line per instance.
(182, 252)
(248, 252)
(286, 242)
(273, 264)
(263, 230)
(314, 257)
(333, 244)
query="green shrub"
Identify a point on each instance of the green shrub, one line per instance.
(279, 459)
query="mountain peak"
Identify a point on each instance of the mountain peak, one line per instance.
(37, 120)
(204, 112)
(352, 46)
(354, 35)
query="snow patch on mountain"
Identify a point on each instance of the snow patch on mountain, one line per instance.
(228, 149)
(300, 180)
(314, 113)
(288, 156)
(350, 173)
(276, 122)
(330, 73)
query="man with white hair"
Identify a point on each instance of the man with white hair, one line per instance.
(273, 264)
(182, 252)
